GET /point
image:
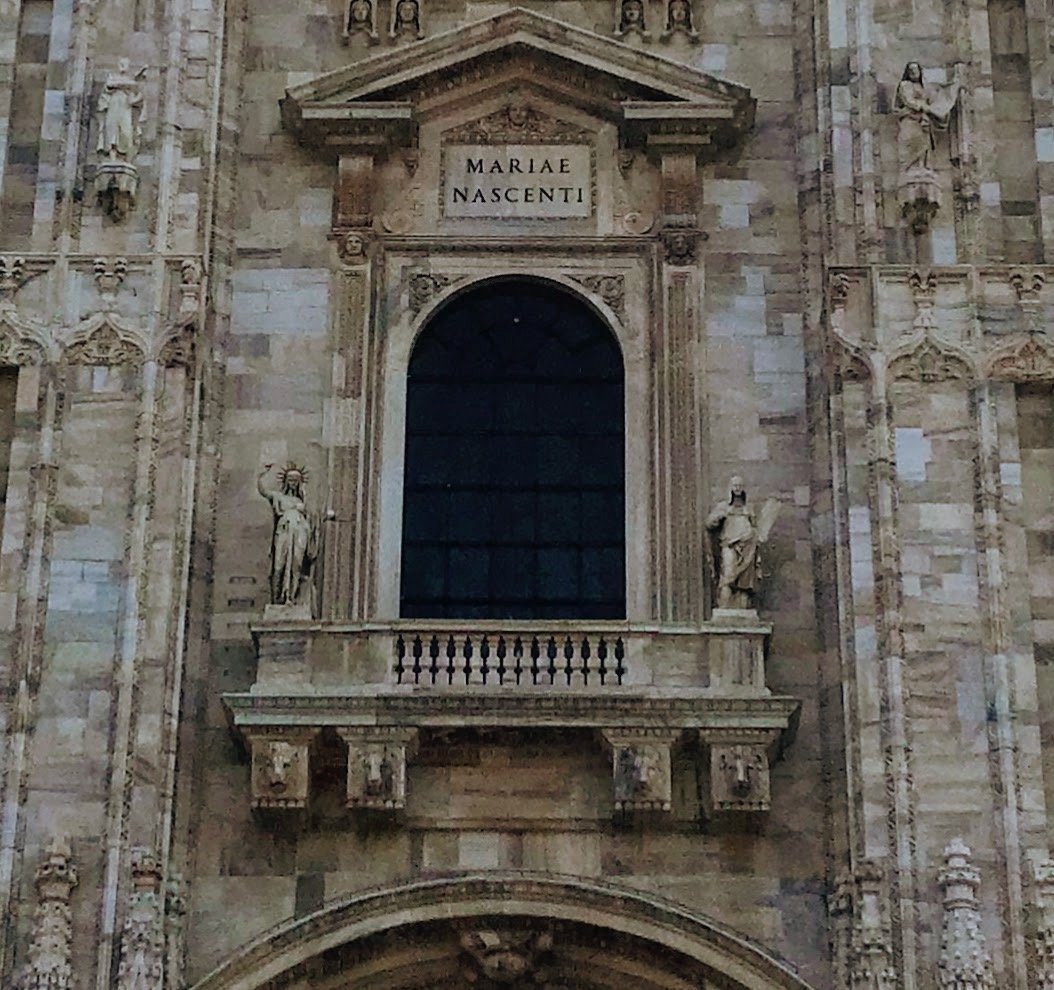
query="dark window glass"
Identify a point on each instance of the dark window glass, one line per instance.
(514, 503)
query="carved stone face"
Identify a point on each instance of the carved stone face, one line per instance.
(406, 12)
(294, 480)
(679, 13)
(281, 759)
(735, 487)
(518, 116)
(632, 12)
(354, 245)
(913, 72)
(123, 66)
(360, 12)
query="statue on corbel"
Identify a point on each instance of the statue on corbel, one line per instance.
(295, 541)
(118, 113)
(736, 535)
(923, 110)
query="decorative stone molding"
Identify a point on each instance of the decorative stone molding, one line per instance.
(190, 276)
(640, 768)
(49, 966)
(377, 759)
(280, 766)
(424, 286)
(104, 339)
(175, 933)
(13, 276)
(142, 963)
(610, 288)
(505, 956)
(964, 962)
(923, 286)
(517, 123)
(1044, 939)
(927, 359)
(864, 949)
(1028, 359)
(109, 274)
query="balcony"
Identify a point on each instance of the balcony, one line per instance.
(643, 691)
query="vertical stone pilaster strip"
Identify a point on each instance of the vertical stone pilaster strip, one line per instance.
(1003, 744)
(28, 639)
(128, 659)
(896, 730)
(345, 563)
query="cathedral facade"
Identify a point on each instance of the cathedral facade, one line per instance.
(554, 496)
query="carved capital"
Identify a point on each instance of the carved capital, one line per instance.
(640, 768)
(280, 766)
(377, 758)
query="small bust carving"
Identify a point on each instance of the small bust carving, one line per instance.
(630, 18)
(406, 19)
(379, 775)
(361, 19)
(680, 19)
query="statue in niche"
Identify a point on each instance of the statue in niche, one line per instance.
(922, 111)
(737, 537)
(294, 543)
(630, 19)
(406, 19)
(361, 19)
(118, 113)
(680, 20)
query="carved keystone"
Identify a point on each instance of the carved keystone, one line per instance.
(640, 768)
(280, 766)
(738, 770)
(377, 757)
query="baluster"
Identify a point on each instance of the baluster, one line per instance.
(550, 652)
(501, 659)
(585, 661)
(418, 650)
(433, 658)
(569, 652)
(620, 655)
(466, 653)
(517, 654)
(451, 652)
(602, 656)
(484, 653)
(400, 652)
(536, 652)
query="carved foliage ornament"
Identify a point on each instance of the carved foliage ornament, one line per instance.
(425, 285)
(506, 957)
(517, 123)
(48, 966)
(102, 342)
(929, 359)
(142, 963)
(1027, 360)
(964, 962)
(16, 347)
(610, 288)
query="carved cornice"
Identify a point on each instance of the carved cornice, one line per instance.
(374, 99)
(624, 708)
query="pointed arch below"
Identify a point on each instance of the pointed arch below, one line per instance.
(584, 934)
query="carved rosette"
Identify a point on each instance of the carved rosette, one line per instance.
(280, 767)
(377, 758)
(640, 768)
(142, 963)
(48, 966)
(964, 962)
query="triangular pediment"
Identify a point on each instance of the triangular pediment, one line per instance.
(644, 93)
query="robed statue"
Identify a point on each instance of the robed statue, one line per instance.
(736, 536)
(294, 542)
(118, 110)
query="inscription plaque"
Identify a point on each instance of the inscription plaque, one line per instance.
(518, 181)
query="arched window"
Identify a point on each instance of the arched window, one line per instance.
(514, 498)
